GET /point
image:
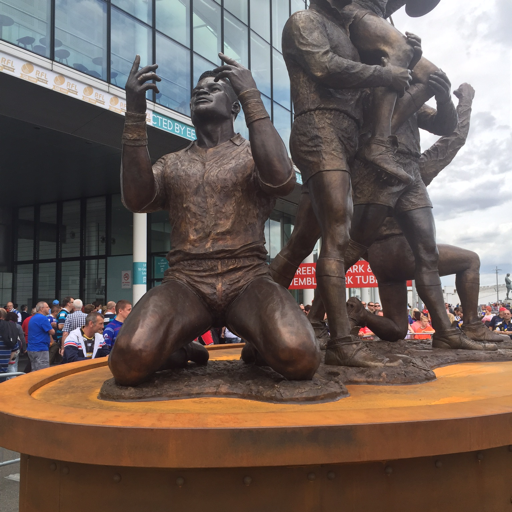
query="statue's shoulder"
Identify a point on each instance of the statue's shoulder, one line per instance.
(303, 17)
(301, 23)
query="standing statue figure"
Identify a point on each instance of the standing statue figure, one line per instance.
(508, 282)
(327, 84)
(375, 199)
(219, 192)
(392, 260)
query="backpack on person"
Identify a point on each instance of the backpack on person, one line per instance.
(8, 334)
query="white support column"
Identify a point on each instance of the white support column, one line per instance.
(309, 295)
(140, 231)
(414, 295)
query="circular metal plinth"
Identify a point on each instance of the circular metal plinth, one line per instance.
(44, 414)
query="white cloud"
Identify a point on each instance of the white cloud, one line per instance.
(472, 42)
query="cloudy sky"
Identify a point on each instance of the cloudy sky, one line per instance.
(471, 41)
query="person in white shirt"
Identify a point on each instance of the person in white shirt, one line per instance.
(86, 342)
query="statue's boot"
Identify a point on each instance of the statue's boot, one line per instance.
(349, 351)
(250, 355)
(356, 312)
(381, 153)
(178, 359)
(197, 353)
(321, 333)
(477, 331)
(282, 271)
(455, 339)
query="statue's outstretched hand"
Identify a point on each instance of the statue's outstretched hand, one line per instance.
(240, 78)
(465, 92)
(441, 85)
(139, 81)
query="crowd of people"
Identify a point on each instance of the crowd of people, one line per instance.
(64, 332)
(497, 317)
(69, 331)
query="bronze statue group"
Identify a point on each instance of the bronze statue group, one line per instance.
(359, 89)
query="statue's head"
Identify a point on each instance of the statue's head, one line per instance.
(414, 8)
(213, 100)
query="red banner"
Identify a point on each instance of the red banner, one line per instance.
(359, 275)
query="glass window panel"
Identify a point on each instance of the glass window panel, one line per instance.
(94, 281)
(268, 104)
(6, 287)
(46, 278)
(236, 39)
(207, 29)
(280, 14)
(128, 38)
(160, 232)
(260, 16)
(139, 9)
(282, 123)
(95, 236)
(274, 244)
(240, 126)
(260, 63)
(81, 30)
(48, 231)
(70, 229)
(238, 8)
(281, 85)
(173, 19)
(297, 5)
(174, 70)
(200, 66)
(70, 279)
(24, 280)
(267, 238)
(287, 228)
(122, 228)
(26, 234)
(160, 265)
(26, 23)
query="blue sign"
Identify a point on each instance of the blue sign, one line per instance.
(170, 125)
(160, 266)
(139, 272)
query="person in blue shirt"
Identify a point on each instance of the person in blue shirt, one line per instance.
(40, 334)
(123, 309)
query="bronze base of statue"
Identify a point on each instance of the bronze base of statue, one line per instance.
(230, 379)
(439, 446)
(410, 362)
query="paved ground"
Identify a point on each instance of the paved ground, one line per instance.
(9, 482)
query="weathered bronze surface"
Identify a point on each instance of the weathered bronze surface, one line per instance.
(461, 482)
(468, 408)
(233, 379)
(374, 198)
(219, 191)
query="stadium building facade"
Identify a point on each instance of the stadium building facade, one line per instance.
(63, 65)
